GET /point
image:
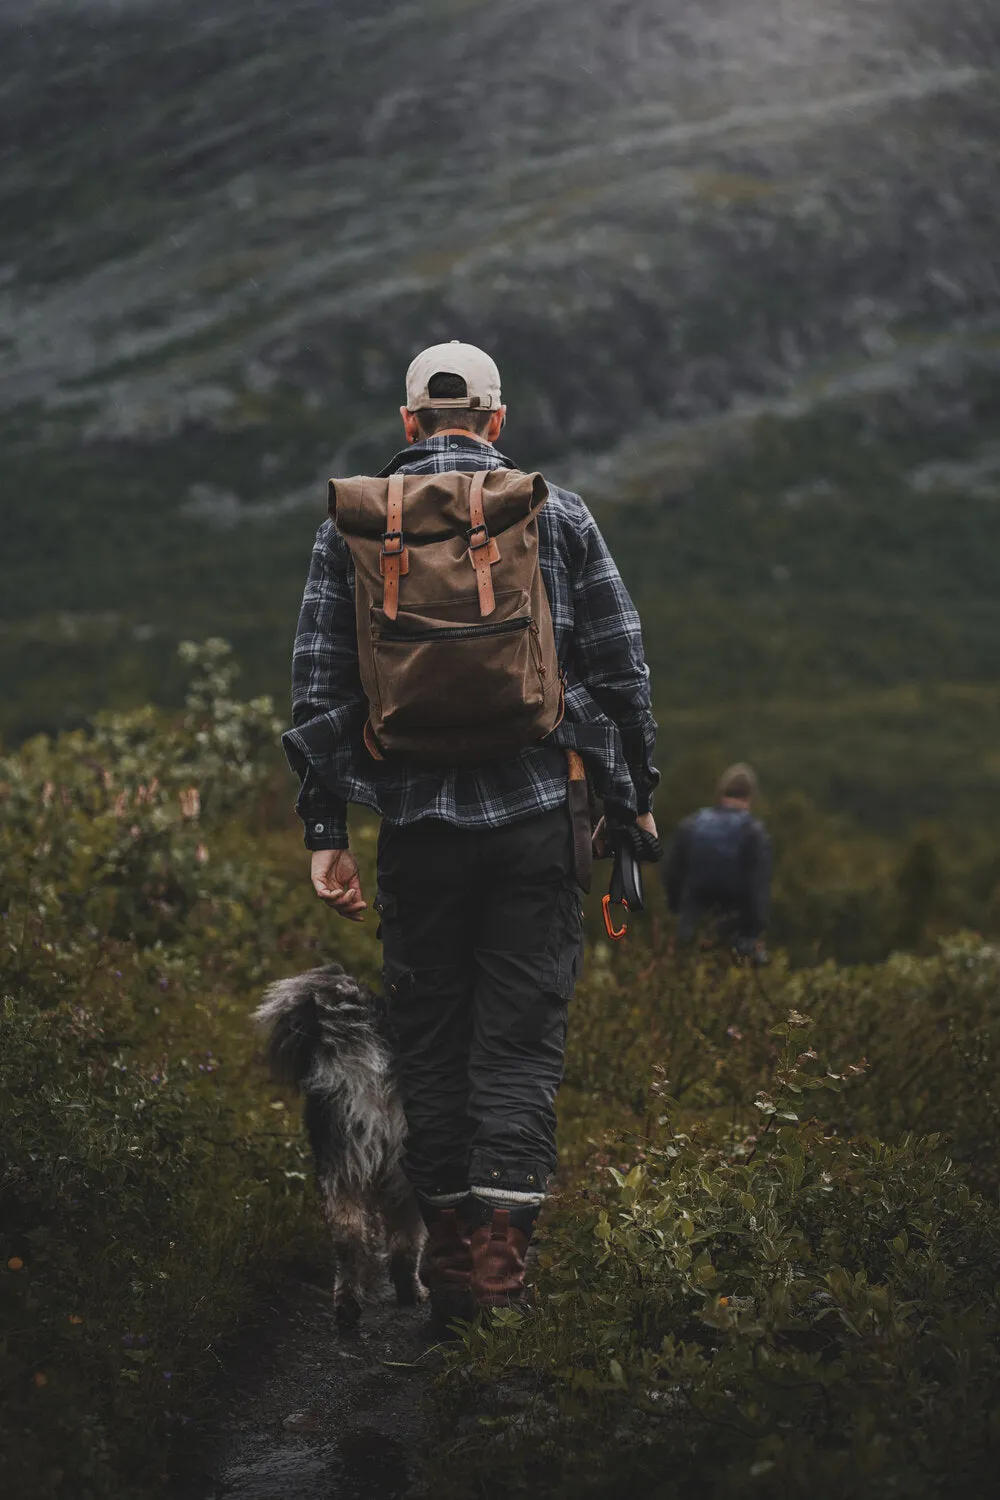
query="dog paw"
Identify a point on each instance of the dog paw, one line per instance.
(409, 1291)
(347, 1311)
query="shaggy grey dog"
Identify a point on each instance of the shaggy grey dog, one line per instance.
(325, 1038)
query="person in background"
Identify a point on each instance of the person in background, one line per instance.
(718, 875)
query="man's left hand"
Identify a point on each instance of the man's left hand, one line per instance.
(645, 842)
(336, 881)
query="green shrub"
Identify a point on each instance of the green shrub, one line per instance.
(137, 1201)
(151, 1178)
(778, 1311)
(149, 886)
(928, 1030)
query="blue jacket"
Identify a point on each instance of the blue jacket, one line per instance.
(720, 863)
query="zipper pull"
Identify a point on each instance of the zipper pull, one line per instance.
(539, 664)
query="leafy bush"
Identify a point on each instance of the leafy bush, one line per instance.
(928, 1031)
(135, 1203)
(150, 1177)
(732, 1300)
(734, 1296)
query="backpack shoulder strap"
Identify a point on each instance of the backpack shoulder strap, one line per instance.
(394, 559)
(484, 553)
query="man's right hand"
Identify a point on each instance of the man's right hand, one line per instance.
(336, 881)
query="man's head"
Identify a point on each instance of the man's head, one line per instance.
(453, 388)
(737, 786)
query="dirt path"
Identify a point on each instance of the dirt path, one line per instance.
(312, 1414)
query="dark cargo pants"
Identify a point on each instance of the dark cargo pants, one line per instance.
(483, 939)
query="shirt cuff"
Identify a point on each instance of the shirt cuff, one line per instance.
(326, 832)
(644, 802)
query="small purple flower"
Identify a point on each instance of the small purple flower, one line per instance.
(142, 1338)
(128, 1339)
(164, 983)
(118, 973)
(168, 1375)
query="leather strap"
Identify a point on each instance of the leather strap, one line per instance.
(371, 743)
(578, 798)
(484, 553)
(394, 558)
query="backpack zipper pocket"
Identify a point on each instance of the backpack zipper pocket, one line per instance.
(536, 650)
(459, 632)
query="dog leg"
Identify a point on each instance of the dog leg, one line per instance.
(354, 1254)
(405, 1235)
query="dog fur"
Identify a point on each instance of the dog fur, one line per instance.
(325, 1039)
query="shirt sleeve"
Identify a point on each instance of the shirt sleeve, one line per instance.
(324, 816)
(327, 697)
(609, 658)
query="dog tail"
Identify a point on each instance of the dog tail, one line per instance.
(291, 1012)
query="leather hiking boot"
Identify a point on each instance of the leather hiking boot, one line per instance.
(498, 1251)
(446, 1267)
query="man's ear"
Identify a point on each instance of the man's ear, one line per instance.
(496, 424)
(410, 425)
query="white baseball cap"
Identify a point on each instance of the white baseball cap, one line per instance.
(474, 366)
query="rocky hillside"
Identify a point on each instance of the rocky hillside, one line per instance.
(225, 225)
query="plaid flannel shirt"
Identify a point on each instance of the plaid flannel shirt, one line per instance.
(608, 716)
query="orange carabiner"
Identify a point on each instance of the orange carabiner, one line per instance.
(614, 933)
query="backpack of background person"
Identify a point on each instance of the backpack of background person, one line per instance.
(718, 847)
(455, 639)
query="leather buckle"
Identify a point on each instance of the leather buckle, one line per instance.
(396, 538)
(484, 538)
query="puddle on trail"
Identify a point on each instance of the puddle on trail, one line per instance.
(312, 1414)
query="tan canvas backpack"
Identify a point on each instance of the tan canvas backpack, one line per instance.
(455, 641)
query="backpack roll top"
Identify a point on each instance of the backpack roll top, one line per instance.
(455, 640)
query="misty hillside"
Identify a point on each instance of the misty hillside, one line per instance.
(737, 260)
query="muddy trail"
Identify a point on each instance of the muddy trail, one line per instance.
(309, 1413)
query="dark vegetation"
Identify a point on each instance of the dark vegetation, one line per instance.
(775, 1275)
(151, 1177)
(771, 1267)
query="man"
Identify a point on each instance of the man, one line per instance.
(719, 870)
(477, 864)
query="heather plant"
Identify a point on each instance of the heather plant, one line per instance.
(771, 1264)
(103, 829)
(764, 1309)
(151, 1177)
(926, 1029)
